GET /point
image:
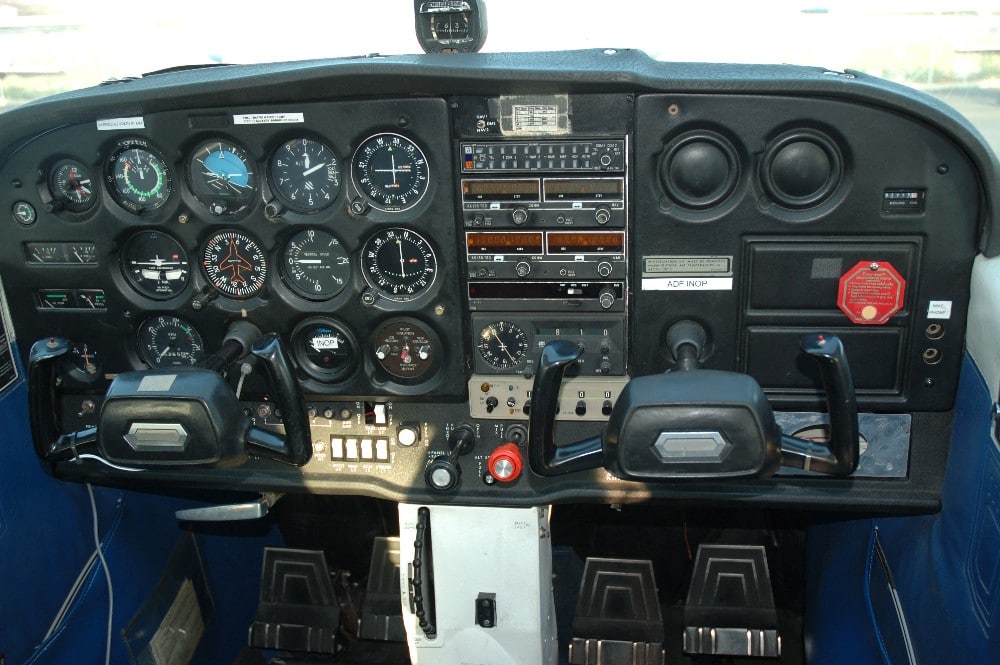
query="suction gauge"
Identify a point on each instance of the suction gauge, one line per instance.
(72, 185)
(138, 176)
(222, 176)
(391, 172)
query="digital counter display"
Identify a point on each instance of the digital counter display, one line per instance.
(584, 189)
(504, 243)
(500, 190)
(565, 242)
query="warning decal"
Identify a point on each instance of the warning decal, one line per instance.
(871, 292)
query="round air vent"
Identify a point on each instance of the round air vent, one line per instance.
(801, 168)
(699, 169)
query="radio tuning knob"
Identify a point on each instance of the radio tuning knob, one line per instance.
(519, 215)
(602, 215)
(523, 268)
(606, 297)
(604, 268)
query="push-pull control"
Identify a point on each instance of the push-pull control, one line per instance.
(443, 473)
(505, 463)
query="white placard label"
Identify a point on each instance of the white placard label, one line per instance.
(268, 118)
(112, 124)
(939, 309)
(156, 383)
(687, 283)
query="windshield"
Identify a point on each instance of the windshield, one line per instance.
(950, 49)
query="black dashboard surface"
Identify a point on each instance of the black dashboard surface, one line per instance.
(416, 228)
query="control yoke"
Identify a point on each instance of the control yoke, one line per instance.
(173, 417)
(695, 423)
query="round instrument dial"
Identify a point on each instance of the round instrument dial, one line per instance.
(169, 341)
(305, 175)
(399, 263)
(82, 363)
(72, 184)
(155, 265)
(235, 264)
(315, 264)
(222, 176)
(138, 176)
(324, 349)
(502, 344)
(391, 172)
(405, 349)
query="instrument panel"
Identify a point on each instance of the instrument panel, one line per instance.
(415, 252)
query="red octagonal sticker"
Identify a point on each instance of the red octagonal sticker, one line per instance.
(871, 292)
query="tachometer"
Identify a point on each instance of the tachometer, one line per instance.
(235, 264)
(155, 265)
(169, 341)
(222, 176)
(72, 185)
(305, 175)
(399, 263)
(315, 264)
(390, 171)
(138, 176)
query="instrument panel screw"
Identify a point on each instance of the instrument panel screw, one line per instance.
(942, 169)
(16, 184)
(439, 310)
(674, 110)
(183, 218)
(873, 266)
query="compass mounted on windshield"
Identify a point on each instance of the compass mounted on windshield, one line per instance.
(450, 26)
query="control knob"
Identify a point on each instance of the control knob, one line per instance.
(606, 297)
(604, 268)
(522, 269)
(519, 215)
(505, 463)
(602, 215)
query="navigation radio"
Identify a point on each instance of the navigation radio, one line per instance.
(546, 239)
